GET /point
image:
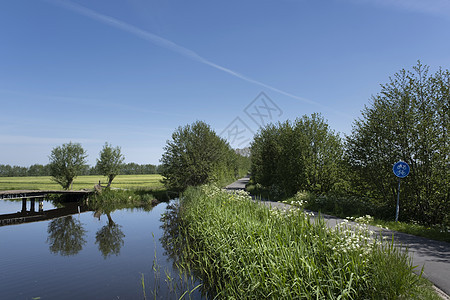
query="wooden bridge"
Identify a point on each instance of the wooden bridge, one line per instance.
(26, 194)
(32, 215)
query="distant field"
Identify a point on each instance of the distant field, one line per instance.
(81, 182)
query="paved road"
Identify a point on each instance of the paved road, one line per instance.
(434, 256)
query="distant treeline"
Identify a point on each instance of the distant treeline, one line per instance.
(44, 170)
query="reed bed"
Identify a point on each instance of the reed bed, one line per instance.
(243, 250)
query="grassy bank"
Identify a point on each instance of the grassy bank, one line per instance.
(243, 250)
(152, 181)
(356, 209)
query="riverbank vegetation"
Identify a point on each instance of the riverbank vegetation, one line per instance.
(240, 248)
(407, 121)
(109, 200)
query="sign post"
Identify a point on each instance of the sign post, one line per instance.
(401, 170)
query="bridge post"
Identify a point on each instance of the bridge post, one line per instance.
(41, 205)
(24, 205)
(32, 204)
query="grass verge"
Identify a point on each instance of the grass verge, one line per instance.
(361, 212)
(244, 250)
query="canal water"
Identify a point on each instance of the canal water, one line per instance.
(87, 254)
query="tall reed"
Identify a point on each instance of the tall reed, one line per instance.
(243, 250)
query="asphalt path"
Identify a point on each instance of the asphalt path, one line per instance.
(433, 256)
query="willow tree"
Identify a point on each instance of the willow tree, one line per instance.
(409, 121)
(66, 163)
(110, 162)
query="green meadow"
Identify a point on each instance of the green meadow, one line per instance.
(150, 181)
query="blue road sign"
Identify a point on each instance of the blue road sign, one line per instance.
(401, 169)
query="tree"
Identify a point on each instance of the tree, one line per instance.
(37, 170)
(196, 155)
(409, 121)
(322, 153)
(6, 171)
(303, 155)
(66, 163)
(110, 162)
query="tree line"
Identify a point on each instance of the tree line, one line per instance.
(408, 120)
(44, 170)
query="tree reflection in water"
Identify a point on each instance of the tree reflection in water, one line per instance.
(66, 236)
(109, 238)
(170, 238)
(175, 243)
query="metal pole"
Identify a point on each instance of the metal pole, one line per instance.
(398, 201)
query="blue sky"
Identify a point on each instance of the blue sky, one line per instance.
(130, 72)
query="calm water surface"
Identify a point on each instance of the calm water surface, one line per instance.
(86, 255)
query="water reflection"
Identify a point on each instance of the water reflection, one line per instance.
(110, 259)
(30, 215)
(171, 225)
(176, 247)
(66, 236)
(109, 238)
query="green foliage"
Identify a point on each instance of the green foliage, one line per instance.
(13, 171)
(409, 121)
(196, 155)
(301, 199)
(363, 211)
(110, 162)
(44, 170)
(343, 206)
(438, 233)
(110, 200)
(238, 247)
(304, 155)
(38, 170)
(134, 168)
(66, 163)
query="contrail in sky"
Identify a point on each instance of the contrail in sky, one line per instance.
(162, 42)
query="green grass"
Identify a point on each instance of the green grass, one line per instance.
(434, 233)
(244, 250)
(152, 181)
(354, 210)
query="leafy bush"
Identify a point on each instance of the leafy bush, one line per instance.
(342, 206)
(303, 155)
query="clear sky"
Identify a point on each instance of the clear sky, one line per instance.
(130, 72)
